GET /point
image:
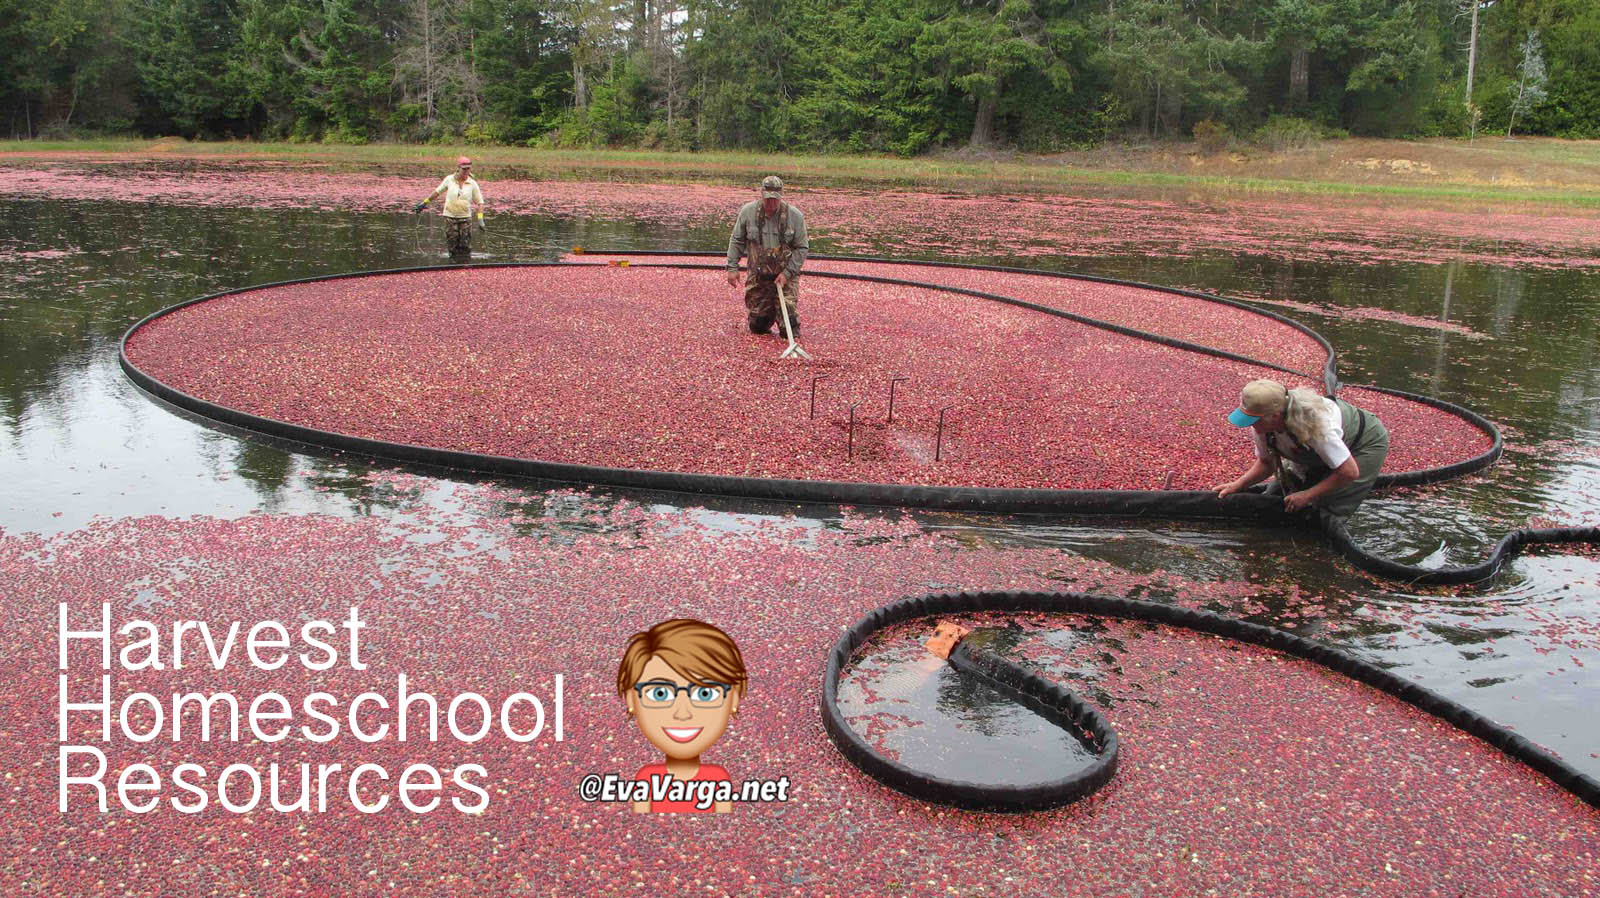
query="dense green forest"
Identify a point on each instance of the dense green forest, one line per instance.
(900, 76)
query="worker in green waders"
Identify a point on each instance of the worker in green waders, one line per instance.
(462, 199)
(772, 234)
(1324, 452)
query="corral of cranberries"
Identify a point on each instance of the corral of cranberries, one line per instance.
(653, 368)
(1154, 311)
(1242, 771)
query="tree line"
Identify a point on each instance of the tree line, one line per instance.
(897, 76)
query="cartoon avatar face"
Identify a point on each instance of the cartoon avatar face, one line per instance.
(679, 716)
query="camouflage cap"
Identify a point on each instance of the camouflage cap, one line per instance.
(772, 185)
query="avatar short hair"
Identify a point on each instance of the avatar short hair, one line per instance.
(693, 648)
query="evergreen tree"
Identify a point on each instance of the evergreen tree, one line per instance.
(1170, 65)
(901, 76)
(189, 66)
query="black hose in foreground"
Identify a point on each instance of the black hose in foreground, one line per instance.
(1060, 706)
(1509, 545)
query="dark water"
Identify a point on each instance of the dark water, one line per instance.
(78, 441)
(923, 712)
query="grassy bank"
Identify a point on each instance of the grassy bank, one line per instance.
(1532, 171)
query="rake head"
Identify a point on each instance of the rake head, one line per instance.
(793, 351)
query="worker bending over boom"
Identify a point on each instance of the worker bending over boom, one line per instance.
(1324, 452)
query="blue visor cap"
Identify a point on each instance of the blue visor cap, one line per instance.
(1241, 418)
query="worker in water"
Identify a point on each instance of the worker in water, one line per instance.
(1324, 452)
(462, 199)
(772, 235)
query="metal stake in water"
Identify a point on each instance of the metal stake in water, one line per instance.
(851, 446)
(814, 395)
(891, 396)
(938, 443)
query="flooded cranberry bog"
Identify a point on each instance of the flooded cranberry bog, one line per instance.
(607, 366)
(1242, 769)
